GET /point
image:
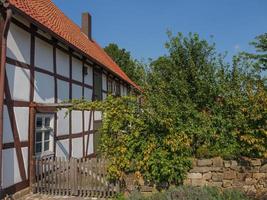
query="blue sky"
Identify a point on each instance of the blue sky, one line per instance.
(140, 25)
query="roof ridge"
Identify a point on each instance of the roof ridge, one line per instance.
(50, 16)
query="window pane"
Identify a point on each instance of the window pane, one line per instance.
(46, 146)
(39, 122)
(38, 147)
(47, 135)
(38, 136)
(47, 121)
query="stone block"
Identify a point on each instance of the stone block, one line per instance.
(198, 182)
(264, 168)
(255, 162)
(255, 169)
(194, 175)
(215, 184)
(217, 162)
(259, 176)
(227, 183)
(250, 181)
(238, 183)
(204, 162)
(200, 170)
(234, 163)
(230, 174)
(217, 177)
(207, 176)
(227, 164)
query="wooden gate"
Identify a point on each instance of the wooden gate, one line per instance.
(73, 177)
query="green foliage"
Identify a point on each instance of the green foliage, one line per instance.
(212, 104)
(260, 44)
(133, 144)
(191, 193)
(133, 68)
(194, 105)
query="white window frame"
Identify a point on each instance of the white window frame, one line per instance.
(44, 129)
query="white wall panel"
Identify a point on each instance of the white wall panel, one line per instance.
(122, 90)
(63, 63)
(76, 122)
(25, 159)
(62, 148)
(77, 68)
(104, 95)
(43, 55)
(88, 79)
(44, 91)
(8, 135)
(104, 82)
(62, 122)
(98, 115)
(19, 82)
(88, 94)
(63, 90)
(22, 116)
(18, 44)
(77, 147)
(90, 147)
(11, 173)
(76, 91)
(86, 120)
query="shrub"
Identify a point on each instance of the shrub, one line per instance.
(191, 193)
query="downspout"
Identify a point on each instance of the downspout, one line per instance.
(4, 33)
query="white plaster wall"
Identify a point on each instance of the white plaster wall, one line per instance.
(77, 68)
(76, 122)
(63, 63)
(104, 82)
(77, 147)
(98, 115)
(104, 95)
(43, 55)
(22, 118)
(88, 93)
(76, 91)
(86, 120)
(11, 173)
(18, 44)
(62, 90)
(62, 122)
(25, 159)
(7, 134)
(44, 88)
(88, 79)
(62, 148)
(19, 82)
(90, 147)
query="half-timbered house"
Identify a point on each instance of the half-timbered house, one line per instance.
(45, 59)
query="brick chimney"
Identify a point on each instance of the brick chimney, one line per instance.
(87, 25)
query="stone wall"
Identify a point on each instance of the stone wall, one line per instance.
(248, 175)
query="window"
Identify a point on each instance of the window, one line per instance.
(44, 134)
(109, 85)
(97, 85)
(117, 89)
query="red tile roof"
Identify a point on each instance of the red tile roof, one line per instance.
(49, 15)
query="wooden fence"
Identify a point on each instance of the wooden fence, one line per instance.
(73, 177)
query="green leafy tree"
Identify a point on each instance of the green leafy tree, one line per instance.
(260, 44)
(195, 105)
(133, 68)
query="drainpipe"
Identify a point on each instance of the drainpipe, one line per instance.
(2, 79)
